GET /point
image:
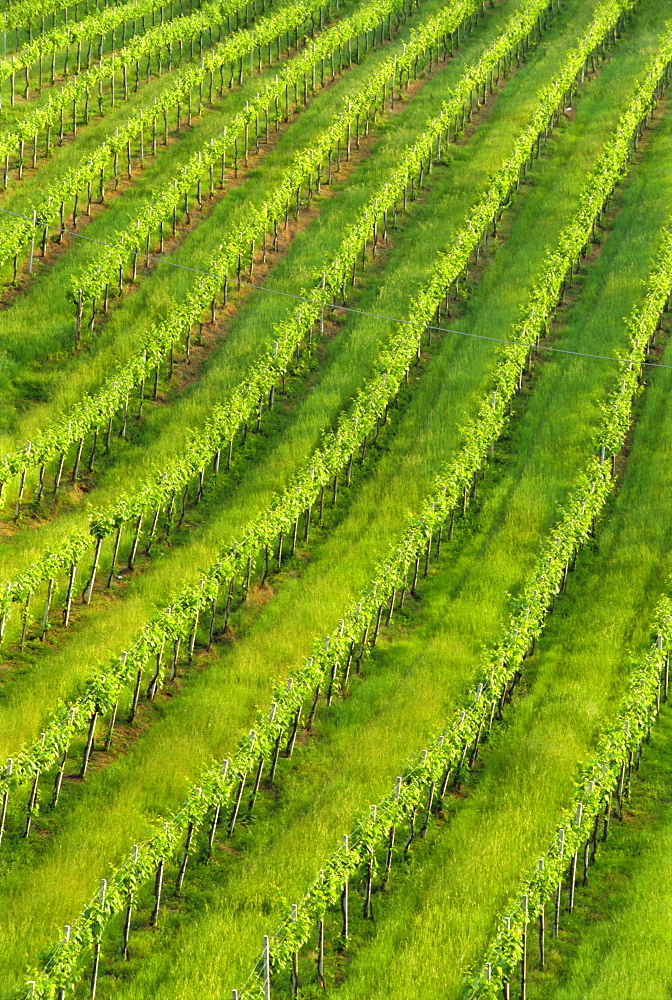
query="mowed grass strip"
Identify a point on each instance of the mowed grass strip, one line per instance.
(347, 361)
(616, 941)
(439, 917)
(39, 322)
(164, 433)
(281, 636)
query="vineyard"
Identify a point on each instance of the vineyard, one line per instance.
(335, 580)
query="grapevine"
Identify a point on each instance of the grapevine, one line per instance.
(218, 785)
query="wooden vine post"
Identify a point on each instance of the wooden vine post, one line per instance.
(267, 968)
(345, 899)
(129, 911)
(294, 978)
(558, 891)
(523, 957)
(5, 799)
(96, 947)
(542, 927)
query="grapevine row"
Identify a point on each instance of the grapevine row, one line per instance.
(22, 232)
(94, 283)
(94, 27)
(22, 13)
(94, 412)
(333, 455)
(247, 400)
(335, 34)
(226, 420)
(605, 777)
(275, 94)
(422, 787)
(89, 84)
(273, 365)
(604, 774)
(221, 787)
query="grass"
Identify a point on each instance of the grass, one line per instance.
(133, 789)
(147, 90)
(416, 675)
(165, 431)
(111, 626)
(16, 38)
(440, 911)
(39, 324)
(438, 920)
(616, 941)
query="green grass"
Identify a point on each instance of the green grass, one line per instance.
(163, 433)
(431, 926)
(438, 920)
(60, 670)
(127, 793)
(617, 940)
(39, 323)
(442, 908)
(13, 115)
(18, 37)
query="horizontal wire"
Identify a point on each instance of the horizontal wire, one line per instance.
(341, 308)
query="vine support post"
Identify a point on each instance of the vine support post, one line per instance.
(523, 958)
(236, 805)
(78, 318)
(128, 914)
(267, 968)
(390, 845)
(345, 894)
(94, 969)
(134, 544)
(110, 730)
(115, 552)
(89, 744)
(5, 800)
(185, 859)
(216, 813)
(542, 927)
(68, 598)
(255, 785)
(89, 588)
(136, 695)
(295, 961)
(158, 886)
(96, 947)
(572, 882)
(292, 739)
(320, 953)
(31, 801)
(58, 780)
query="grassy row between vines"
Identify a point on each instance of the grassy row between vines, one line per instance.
(347, 360)
(441, 914)
(619, 935)
(279, 623)
(40, 320)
